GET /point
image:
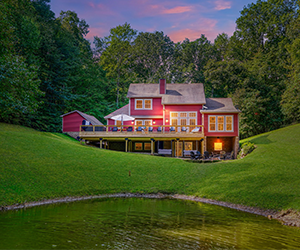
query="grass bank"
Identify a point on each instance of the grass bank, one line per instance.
(36, 166)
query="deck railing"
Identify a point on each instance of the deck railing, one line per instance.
(135, 129)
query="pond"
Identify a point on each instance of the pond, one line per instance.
(140, 223)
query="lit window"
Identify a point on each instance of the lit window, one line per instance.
(174, 114)
(188, 146)
(148, 104)
(218, 146)
(183, 114)
(138, 122)
(139, 104)
(138, 146)
(183, 122)
(192, 122)
(212, 123)
(148, 123)
(147, 146)
(118, 123)
(174, 122)
(220, 123)
(192, 114)
(229, 123)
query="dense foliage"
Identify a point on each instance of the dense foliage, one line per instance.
(48, 67)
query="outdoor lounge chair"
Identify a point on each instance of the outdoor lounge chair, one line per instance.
(183, 129)
(129, 129)
(150, 129)
(115, 129)
(159, 129)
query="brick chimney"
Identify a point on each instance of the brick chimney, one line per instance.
(162, 86)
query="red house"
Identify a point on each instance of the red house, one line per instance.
(72, 121)
(172, 119)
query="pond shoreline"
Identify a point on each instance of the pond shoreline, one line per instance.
(286, 217)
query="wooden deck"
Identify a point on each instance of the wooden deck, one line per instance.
(95, 133)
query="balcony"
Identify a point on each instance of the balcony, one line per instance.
(96, 132)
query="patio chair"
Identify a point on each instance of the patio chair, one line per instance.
(206, 155)
(183, 129)
(140, 129)
(115, 129)
(150, 129)
(192, 154)
(129, 129)
(172, 129)
(159, 129)
(198, 155)
(229, 156)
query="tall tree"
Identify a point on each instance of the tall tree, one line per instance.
(152, 56)
(115, 55)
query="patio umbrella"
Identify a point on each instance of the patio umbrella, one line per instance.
(122, 117)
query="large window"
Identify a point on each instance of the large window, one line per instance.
(220, 123)
(183, 119)
(143, 103)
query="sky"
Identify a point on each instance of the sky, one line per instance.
(179, 19)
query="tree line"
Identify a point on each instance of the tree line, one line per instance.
(47, 66)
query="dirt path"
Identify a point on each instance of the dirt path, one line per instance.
(288, 217)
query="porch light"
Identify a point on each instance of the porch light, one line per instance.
(132, 122)
(167, 120)
(154, 122)
(218, 146)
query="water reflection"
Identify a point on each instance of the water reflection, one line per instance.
(118, 223)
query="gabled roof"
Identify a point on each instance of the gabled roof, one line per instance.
(222, 105)
(93, 120)
(175, 93)
(123, 110)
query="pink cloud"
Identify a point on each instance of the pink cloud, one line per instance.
(222, 5)
(206, 27)
(177, 10)
(98, 31)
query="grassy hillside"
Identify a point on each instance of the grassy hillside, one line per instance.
(36, 166)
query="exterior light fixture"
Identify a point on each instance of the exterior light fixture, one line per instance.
(154, 122)
(132, 122)
(167, 120)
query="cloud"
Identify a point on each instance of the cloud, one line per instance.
(177, 10)
(222, 5)
(203, 26)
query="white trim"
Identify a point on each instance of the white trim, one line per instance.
(224, 123)
(143, 104)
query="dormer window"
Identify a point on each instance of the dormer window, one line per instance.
(143, 104)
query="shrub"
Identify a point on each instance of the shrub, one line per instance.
(246, 149)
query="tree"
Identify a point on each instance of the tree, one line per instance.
(152, 56)
(115, 55)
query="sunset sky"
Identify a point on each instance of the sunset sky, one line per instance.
(179, 19)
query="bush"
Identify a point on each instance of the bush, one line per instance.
(246, 149)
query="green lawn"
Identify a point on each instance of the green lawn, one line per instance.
(36, 166)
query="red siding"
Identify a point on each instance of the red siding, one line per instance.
(235, 126)
(171, 108)
(157, 108)
(72, 122)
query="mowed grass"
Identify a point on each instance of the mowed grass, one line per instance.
(36, 166)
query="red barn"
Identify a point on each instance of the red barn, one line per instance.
(71, 122)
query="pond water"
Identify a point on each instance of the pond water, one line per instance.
(138, 223)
